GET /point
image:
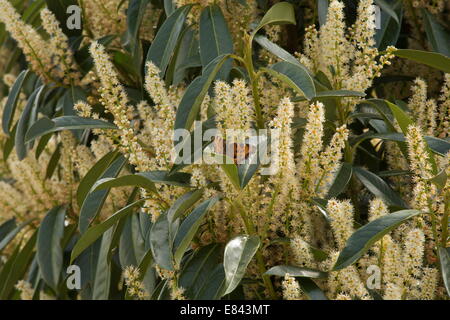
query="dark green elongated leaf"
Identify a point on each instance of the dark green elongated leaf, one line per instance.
(49, 250)
(163, 46)
(9, 143)
(213, 286)
(386, 7)
(340, 93)
(189, 227)
(275, 49)
(293, 271)
(279, 13)
(95, 232)
(215, 38)
(444, 257)
(147, 272)
(27, 118)
(169, 7)
(18, 268)
(180, 179)
(7, 237)
(390, 29)
(135, 180)
(360, 241)
(311, 289)
(135, 14)
(197, 272)
(437, 35)
(188, 55)
(161, 242)
(340, 182)
(93, 174)
(11, 102)
(132, 246)
(189, 106)
(53, 162)
(93, 203)
(183, 203)
(45, 125)
(42, 144)
(295, 76)
(238, 254)
(432, 59)
(379, 187)
(6, 228)
(102, 278)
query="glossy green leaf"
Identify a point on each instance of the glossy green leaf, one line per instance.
(444, 258)
(93, 203)
(102, 279)
(343, 177)
(95, 232)
(183, 203)
(161, 242)
(295, 76)
(279, 13)
(379, 187)
(275, 49)
(93, 175)
(49, 250)
(386, 7)
(163, 46)
(311, 289)
(135, 180)
(437, 35)
(7, 235)
(189, 228)
(11, 103)
(45, 125)
(361, 240)
(215, 38)
(432, 59)
(189, 106)
(238, 254)
(294, 271)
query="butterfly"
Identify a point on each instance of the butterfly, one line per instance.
(239, 151)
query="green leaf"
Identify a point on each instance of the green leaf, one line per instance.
(135, 14)
(444, 257)
(200, 276)
(11, 102)
(340, 93)
(238, 254)
(163, 46)
(93, 175)
(53, 162)
(135, 180)
(183, 203)
(361, 240)
(95, 232)
(275, 49)
(93, 203)
(27, 118)
(432, 59)
(215, 38)
(102, 278)
(437, 34)
(161, 242)
(386, 7)
(17, 269)
(343, 177)
(322, 11)
(179, 179)
(390, 29)
(189, 228)
(295, 76)
(293, 271)
(379, 187)
(49, 250)
(45, 125)
(279, 13)
(7, 235)
(189, 106)
(311, 289)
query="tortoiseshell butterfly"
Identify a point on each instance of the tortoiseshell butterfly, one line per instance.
(239, 151)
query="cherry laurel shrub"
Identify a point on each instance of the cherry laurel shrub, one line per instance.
(106, 191)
